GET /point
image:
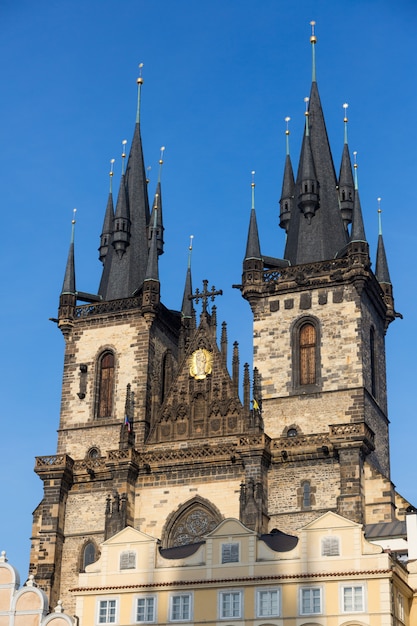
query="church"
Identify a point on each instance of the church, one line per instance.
(156, 446)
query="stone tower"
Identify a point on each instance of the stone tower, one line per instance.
(152, 431)
(320, 316)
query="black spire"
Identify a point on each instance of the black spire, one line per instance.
(320, 235)
(346, 186)
(187, 303)
(152, 271)
(68, 286)
(106, 233)
(124, 272)
(358, 229)
(381, 269)
(253, 249)
(287, 193)
(157, 204)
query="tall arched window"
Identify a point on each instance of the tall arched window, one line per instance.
(307, 358)
(88, 555)
(306, 353)
(105, 385)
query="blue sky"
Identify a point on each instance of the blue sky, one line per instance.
(220, 77)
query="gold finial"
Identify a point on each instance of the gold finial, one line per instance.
(379, 205)
(355, 168)
(379, 216)
(111, 173)
(161, 160)
(253, 178)
(190, 247)
(148, 171)
(139, 80)
(124, 142)
(73, 216)
(313, 38)
(306, 101)
(287, 130)
(345, 106)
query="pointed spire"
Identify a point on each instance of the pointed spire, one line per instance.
(223, 343)
(235, 367)
(287, 193)
(124, 272)
(346, 186)
(325, 235)
(381, 270)
(187, 303)
(157, 204)
(68, 286)
(253, 249)
(152, 271)
(107, 230)
(358, 229)
(121, 221)
(308, 198)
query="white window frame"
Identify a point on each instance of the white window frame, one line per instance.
(353, 586)
(130, 556)
(269, 590)
(312, 591)
(235, 593)
(230, 547)
(333, 546)
(116, 610)
(400, 607)
(190, 607)
(146, 598)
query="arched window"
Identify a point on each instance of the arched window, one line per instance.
(190, 523)
(306, 495)
(307, 354)
(89, 555)
(105, 385)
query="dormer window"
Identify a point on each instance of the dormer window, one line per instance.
(330, 546)
(128, 560)
(230, 553)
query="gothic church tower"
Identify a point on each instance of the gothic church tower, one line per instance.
(320, 317)
(152, 431)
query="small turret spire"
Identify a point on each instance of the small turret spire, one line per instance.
(308, 198)
(187, 303)
(152, 272)
(358, 229)
(121, 221)
(68, 286)
(381, 269)
(157, 205)
(345, 182)
(139, 82)
(287, 192)
(313, 41)
(253, 250)
(107, 230)
(124, 142)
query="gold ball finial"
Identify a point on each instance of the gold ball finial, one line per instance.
(313, 38)
(73, 216)
(287, 130)
(124, 142)
(162, 154)
(139, 80)
(355, 165)
(379, 205)
(190, 247)
(306, 101)
(111, 167)
(253, 179)
(345, 106)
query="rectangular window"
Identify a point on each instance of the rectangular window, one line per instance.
(330, 546)
(353, 599)
(145, 609)
(268, 602)
(128, 560)
(230, 553)
(180, 608)
(107, 612)
(400, 607)
(230, 604)
(310, 601)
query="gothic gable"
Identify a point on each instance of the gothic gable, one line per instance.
(202, 401)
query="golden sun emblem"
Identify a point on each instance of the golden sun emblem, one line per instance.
(201, 363)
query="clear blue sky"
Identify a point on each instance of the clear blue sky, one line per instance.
(220, 77)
